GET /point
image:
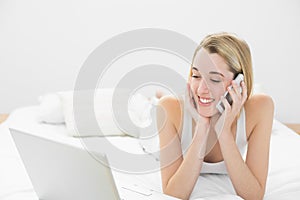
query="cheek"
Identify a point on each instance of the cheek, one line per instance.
(218, 92)
(221, 89)
(194, 86)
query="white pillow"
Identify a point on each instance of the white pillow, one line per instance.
(50, 109)
(102, 111)
(139, 110)
(148, 133)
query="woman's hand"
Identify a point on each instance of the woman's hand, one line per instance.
(202, 126)
(192, 108)
(227, 118)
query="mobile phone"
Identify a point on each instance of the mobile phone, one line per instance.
(220, 106)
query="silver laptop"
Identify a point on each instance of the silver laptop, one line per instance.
(61, 172)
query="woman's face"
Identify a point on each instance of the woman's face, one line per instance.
(209, 81)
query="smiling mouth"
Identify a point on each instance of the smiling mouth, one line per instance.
(204, 100)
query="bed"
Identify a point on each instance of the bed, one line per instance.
(284, 166)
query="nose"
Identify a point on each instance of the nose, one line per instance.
(202, 88)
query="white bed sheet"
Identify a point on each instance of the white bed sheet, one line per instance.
(284, 167)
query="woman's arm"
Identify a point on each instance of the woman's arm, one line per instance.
(179, 174)
(249, 179)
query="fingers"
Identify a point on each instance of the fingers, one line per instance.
(236, 89)
(226, 104)
(190, 104)
(192, 107)
(238, 95)
(190, 96)
(234, 96)
(244, 91)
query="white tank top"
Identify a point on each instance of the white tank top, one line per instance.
(219, 167)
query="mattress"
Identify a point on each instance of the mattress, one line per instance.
(284, 165)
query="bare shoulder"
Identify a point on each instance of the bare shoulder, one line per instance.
(172, 108)
(259, 108)
(259, 103)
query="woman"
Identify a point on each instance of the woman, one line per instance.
(203, 155)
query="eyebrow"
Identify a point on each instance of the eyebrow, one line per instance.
(218, 73)
(212, 72)
(195, 68)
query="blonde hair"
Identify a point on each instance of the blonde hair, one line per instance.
(234, 51)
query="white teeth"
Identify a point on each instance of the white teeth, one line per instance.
(206, 100)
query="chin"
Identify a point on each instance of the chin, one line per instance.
(207, 113)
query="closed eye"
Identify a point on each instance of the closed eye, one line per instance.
(196, 76)
(215, 81)
(196, 73)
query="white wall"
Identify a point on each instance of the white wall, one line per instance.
(44, 43)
